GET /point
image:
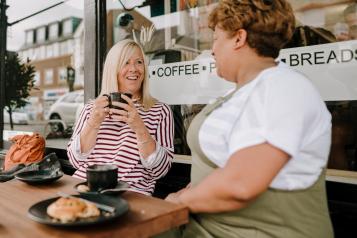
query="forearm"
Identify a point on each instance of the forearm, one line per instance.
(216, 193)
(146, 144)
(88, 136)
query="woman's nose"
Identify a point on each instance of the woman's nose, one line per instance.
(132, 67)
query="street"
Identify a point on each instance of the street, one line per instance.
(42, 128)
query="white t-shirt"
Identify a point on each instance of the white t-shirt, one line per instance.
(280, 107)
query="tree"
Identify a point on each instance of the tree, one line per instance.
(19, 80)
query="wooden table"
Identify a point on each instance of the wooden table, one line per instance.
(147, 216)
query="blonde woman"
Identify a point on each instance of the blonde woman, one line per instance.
(137, 139)
(259, 153)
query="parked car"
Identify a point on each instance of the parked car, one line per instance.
(65, 108)
(18, 117)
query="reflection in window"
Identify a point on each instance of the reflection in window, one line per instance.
(49, 76)
(37, 79)
(181, 37)
(62, 73)
(40, 34)
(67, 27)
(53, 31)
(47, 39)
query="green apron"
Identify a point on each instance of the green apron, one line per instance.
(275, 213)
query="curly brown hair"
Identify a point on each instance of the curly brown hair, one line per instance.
(269, 23)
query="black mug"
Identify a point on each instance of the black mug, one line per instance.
(100, 177)
(116, 97)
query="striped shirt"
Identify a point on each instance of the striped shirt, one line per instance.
(116, 144)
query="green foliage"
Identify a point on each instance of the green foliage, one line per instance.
(19, 80)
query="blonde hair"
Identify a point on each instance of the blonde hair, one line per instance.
(116, 58)
(269, 23)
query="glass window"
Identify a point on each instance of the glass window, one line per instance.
(40, 34)
(63, 48)
(53, 31)
(178, 46)
(62, 73)
(49, 51)
(327, 55)
(37, 79)
(67, 27)
(49, 76)
(71, 98)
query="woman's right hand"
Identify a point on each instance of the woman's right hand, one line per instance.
(99, 111)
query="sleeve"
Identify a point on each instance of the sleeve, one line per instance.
(279, 115)
(159, 162)
(75, 156)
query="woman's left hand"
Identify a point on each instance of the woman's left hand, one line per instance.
(127, 114)
(174, 198)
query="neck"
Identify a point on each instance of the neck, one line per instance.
(250, 69)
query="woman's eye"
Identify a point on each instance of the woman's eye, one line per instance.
(140, 62)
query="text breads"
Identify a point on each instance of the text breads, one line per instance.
(70, 209)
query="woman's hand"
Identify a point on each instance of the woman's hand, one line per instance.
(128, 114)
(173, 197)
(99, 111)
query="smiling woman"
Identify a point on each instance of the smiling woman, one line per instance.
(137, 137)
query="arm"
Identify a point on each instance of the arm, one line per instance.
(156, 156)
(81, 142)
(88, 135)
(129, 114)
(247, 174)
(161, 162)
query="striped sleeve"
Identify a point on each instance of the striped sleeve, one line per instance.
(76, 158)
(165, 151)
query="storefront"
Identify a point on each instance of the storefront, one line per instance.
(182, 71)
(177, 41)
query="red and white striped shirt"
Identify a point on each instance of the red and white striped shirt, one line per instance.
(117, 144)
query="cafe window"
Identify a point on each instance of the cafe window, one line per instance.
(53, 56)
(37, 79)
(29, 37)
(41, 34)
(178, 47)
(53, 31)
(48, 76)
(49, 51)
(62, 75)
(67, 27)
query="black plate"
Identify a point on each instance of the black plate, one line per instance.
(120, 188)
(37, 212)
(39, 177)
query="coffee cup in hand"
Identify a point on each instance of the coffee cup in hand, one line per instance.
(101, 177)
(117, 97)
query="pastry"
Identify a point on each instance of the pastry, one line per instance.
(71, 209)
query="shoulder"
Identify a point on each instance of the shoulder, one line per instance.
(161, 108)
(284, 82)
(286, 77)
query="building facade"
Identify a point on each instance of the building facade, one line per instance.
(53, 49)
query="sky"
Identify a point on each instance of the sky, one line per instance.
(20, 8)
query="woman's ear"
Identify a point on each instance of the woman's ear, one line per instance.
(240, 38)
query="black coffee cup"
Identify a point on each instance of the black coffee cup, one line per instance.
(117, 97)
(101, 177)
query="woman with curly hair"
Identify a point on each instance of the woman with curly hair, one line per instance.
(258, 153)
